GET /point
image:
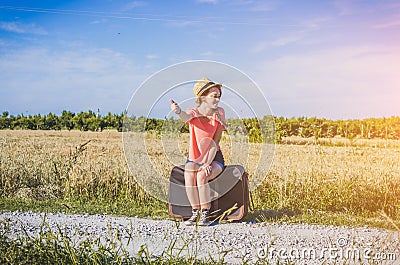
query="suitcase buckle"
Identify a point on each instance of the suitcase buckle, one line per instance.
(237, 173)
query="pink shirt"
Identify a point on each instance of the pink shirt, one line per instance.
(202, 130)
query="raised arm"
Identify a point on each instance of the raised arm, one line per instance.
(183, 115)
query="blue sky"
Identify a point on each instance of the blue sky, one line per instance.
(334, 59)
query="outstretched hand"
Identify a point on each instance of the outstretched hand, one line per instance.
(175, 107)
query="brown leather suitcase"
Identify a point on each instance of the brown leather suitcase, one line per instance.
(229, 194)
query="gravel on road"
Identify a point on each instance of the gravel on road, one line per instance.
(239, 242)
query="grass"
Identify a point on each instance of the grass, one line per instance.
(60, 247)
(341, 141)
(86, 172)
(89, 206)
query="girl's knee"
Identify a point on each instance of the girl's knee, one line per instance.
(190, 177)
(191, 167)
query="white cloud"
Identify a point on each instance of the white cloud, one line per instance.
(344, 7)
(176, 23)
(352, 8)
(152, 56)
(133, 5)
(279, 42)
(207, 54)
(393, 5)
(99, 21)
(262, 7)
(207, 1)
(390, 24)
(337, 83)
(40, 80)
(254, 6)
(12, 27)
(316, 23)
(3, 43)
(210, 55)
(21, 28)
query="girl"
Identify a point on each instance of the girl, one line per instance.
(205, 161)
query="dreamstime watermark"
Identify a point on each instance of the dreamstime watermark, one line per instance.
(343, 252)
(152, 148)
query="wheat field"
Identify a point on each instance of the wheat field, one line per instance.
(58, 165)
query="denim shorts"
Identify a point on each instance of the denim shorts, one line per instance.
(219, 159)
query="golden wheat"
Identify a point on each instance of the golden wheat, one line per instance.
(62, 164)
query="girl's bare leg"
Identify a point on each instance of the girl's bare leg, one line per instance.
(204, 187)
(191, 185)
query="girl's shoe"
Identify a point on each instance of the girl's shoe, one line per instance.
(203, 220)
(192, 220)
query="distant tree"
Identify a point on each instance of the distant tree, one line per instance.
(268, 129)
(37, 122)
(120, 121)
(51, 122)
(4, 121)
(79, 122)
(106, 121)
(20, 122)
(66, 120)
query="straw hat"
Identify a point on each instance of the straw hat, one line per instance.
(203, 85)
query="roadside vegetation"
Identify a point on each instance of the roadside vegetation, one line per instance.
(57, 246)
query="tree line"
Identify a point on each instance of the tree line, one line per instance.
(84, 121)
(268, 128)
